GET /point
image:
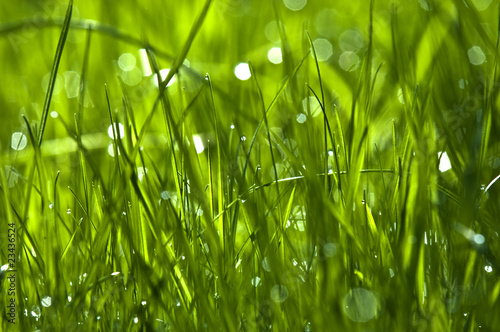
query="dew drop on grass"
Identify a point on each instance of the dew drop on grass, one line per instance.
(143, 303)
(141, 171)
(488, 268)
(136, 320)
(479, 239)
(199, 212)
(68, 211)
(242, 71)
(18, 141)
(476, 55)
(115, 273)
(255, 281)
(54, 114)
(295, 5)
(265, 264)
(360, 305)
(279, 293)
(243, 138)
(46, 301)
(232, 126)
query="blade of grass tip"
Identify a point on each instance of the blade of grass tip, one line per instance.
(55, 67)
(83, 81)
(115, 129)
(322, 104)
(179, 60)
(220, 191)
(332, 141)
(271, 105)
(342, 138)
(264, 115)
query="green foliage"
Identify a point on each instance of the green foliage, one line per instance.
(348, 182)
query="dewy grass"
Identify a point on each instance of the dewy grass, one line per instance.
(351, 186)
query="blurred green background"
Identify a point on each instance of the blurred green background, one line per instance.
(387, 214)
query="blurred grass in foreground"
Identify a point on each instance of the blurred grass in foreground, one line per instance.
(335, 168)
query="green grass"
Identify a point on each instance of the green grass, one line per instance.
(319, 200)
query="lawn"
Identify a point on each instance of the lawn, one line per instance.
(237, 165)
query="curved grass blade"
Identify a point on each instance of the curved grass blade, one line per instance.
(55, 67)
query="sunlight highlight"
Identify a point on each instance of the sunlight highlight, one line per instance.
(444, 162)
(242, 71)
(274, 55)
(295, 5)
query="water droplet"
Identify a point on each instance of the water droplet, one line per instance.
(46, 301)
(115, 273)
(51, 205)
(360, 305)
(143, 303)
(69, 211)
(199, 212)
(256, 281)
(243, 138)
(479, 239)
(69, 298)
(265, 264)
(54, 114)
(483, 187)
(141, 172)
(363, 202)
(232, 126)
(279, 293)
(488, 269)
(136, 320)
(124, 213)
(207, 77)
(216, 296)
